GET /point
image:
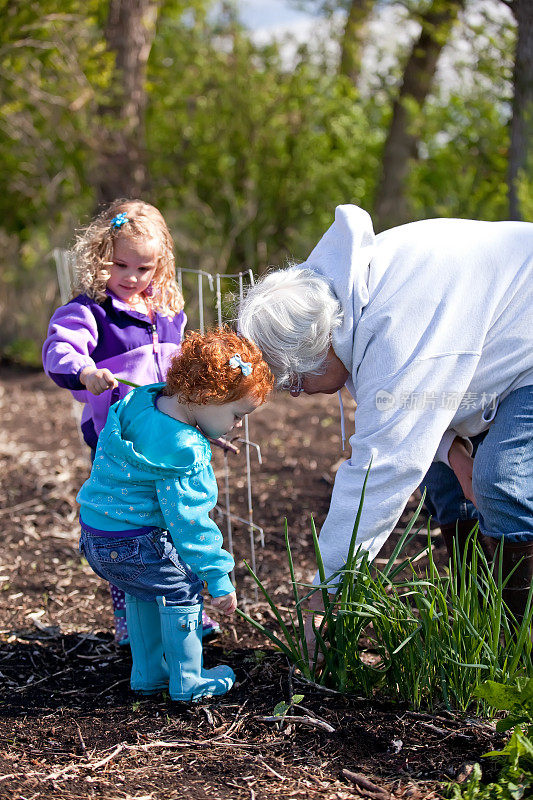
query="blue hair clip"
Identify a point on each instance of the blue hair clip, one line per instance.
(119, 220)
(236, 362)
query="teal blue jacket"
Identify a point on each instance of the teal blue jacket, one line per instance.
(151, 470)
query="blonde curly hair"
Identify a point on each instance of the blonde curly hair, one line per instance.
(94, 247)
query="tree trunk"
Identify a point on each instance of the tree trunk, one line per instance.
(521, 148)
(392, 207)
(353, 38)
(129, 34)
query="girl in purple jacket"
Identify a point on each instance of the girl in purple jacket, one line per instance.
(125, 322)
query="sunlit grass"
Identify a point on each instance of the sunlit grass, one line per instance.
(427, 640)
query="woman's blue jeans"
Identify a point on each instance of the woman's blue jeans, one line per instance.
(502, 476)
(146, 566)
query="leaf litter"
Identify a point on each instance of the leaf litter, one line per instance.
(70, 727)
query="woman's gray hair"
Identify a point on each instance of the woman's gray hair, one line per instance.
(290, 315)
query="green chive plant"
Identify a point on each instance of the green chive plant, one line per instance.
(434, 638)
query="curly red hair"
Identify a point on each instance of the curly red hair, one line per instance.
(201, 373)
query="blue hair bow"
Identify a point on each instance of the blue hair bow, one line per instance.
(236, 362)
(119, 220)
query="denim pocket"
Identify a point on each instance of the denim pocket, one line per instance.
(162, 541)
(120, 558)
(179, 563)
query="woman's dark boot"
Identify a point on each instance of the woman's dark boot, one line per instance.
(512, 554)
(455, 535)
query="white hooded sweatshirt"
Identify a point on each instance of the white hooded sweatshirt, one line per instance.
(437, 330)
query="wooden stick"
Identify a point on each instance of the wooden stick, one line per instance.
(305, 720)
(365, 786)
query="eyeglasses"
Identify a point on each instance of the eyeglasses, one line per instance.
(295, 389)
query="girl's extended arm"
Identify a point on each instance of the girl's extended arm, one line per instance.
(72, 337)
(185, 504)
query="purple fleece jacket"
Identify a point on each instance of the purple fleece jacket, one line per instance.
(84, 333)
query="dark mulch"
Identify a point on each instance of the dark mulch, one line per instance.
(69, 725)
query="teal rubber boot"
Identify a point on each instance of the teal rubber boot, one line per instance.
(181, 629)
(149, 673)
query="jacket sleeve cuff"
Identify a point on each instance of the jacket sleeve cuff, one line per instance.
(444, 447)
(84, 366)
(445, 444)
(69, 380)
(220, 586)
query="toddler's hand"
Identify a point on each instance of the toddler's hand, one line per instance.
(227, 603)
(225, 445)
(98, 380)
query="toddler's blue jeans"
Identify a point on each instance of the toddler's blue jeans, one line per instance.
(502, 476)
(146, 566)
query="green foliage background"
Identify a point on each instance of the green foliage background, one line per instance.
(248, 152)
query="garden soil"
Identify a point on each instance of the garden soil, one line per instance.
(69, 725)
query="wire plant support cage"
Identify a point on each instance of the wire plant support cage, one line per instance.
(205, 301)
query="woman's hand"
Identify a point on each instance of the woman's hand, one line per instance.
(228, 447)
(315, 609)
(227, 603)
(97, 380)
(462, 464)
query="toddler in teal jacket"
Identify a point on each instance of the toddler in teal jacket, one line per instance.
(144, 514)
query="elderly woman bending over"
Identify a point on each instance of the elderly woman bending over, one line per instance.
(429, 326)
